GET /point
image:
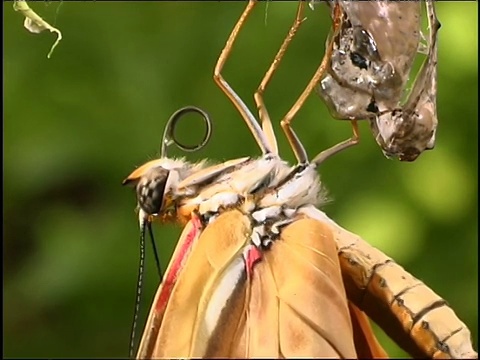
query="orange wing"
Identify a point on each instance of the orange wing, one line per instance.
(231, 300)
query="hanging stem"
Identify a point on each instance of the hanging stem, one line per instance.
(35, 24)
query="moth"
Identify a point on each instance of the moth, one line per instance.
(373, 46)
(259, 270)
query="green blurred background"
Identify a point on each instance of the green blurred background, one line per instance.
(76, 125)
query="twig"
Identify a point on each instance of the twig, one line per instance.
(34, 23)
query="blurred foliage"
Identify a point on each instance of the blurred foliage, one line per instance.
(77, 124)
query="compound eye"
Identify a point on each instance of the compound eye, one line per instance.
(151, 190)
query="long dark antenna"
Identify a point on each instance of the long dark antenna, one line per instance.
(141, 268)
(155, 252)
(145, 224)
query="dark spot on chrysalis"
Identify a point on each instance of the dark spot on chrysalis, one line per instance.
(358, 60)
(372, 107)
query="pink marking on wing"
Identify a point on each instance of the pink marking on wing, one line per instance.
(252, 256)
(177, 264)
